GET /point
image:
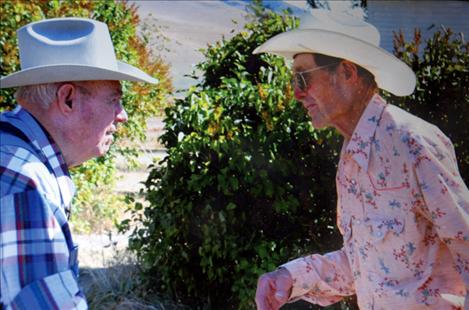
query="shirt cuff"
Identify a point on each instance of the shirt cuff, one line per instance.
(303, 275)
(57, 291)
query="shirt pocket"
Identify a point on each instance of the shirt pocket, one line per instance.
(382, 235)
(381, 229)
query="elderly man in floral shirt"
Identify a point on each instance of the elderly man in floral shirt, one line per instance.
(403, 208)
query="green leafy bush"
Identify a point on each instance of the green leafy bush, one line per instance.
(442, 93)
(95, 179)
(247, 184)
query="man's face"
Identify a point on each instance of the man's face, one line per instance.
(98, 113)
(322, 97)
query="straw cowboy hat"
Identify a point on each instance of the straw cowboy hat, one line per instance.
(344, 36)
(69, 49)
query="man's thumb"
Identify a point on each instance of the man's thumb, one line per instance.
(283, 285)
(281, 296)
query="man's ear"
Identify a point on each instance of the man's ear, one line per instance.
(66, 95)
(349, 71)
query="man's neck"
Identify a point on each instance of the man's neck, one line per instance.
(359, 106)
(51, 125)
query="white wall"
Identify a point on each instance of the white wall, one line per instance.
(389, 16)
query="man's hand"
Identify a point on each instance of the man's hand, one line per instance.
(273, 289)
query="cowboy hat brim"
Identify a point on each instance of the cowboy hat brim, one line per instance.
(72, 72)
(391, 74)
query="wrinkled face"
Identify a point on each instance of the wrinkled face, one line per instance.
(99, 111)
(322, 96)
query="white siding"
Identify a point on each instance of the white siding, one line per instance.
(389, 16)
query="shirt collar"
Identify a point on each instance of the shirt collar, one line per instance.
(359, 146)
(44, 142)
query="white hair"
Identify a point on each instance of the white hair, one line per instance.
(41, 94)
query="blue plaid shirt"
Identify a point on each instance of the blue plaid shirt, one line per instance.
(38, 258)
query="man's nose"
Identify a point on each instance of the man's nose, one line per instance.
(299, 93)
(121, 116)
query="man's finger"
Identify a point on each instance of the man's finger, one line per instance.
(281, 296)
(262, 303)
(262, 293)
(283, 285)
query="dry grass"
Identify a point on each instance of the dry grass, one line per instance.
(119, 286)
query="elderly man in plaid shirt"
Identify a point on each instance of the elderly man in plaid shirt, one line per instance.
(68, 108)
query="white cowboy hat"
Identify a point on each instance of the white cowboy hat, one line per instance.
(344, 36)
(69, 49)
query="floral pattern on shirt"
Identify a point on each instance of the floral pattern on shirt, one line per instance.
(403, 211)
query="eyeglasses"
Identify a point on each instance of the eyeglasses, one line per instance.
(299, 80)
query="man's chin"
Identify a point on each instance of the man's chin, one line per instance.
(318, 125)
(105, 146)
(99, 151)
(103, 150)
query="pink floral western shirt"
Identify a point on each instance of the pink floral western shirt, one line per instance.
(403, 211)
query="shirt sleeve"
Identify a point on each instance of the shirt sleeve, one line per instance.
(321, 279)
(57, 291)
(444, 198)
(34, 257)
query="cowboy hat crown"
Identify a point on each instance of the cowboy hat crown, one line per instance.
(69, 49)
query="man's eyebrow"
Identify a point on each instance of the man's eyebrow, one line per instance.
(298, 68)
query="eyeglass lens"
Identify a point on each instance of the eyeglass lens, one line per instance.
(299, 81)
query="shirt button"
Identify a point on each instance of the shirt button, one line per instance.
(379, 234)
(358, 222)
